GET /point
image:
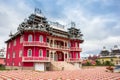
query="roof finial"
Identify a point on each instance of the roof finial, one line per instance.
(115, 46)
(37, 10)
(73, 24)
(10, 35)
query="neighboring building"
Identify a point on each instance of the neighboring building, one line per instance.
(37, 44)
(94, 57)
(2, 56)
(113, 55)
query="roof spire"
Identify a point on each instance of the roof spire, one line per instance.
(73, 24)
(37, 11)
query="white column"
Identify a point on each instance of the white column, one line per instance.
(53, 42)
(53, 56)
(64, 55)
(64, 44)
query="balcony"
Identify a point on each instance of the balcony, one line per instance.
(35, 59)
(73, 60)
(60, 48)
(75, 49)
(35, 43)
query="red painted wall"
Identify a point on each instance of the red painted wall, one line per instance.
(15, 49)
(73, 44)
(35, 50)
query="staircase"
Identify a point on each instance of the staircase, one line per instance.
(62, 65)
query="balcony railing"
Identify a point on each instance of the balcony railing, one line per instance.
(75, 49)
(60, 48)
(35, 43)
(73, 60)
(35, 59)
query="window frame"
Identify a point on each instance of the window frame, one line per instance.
(20, 53)
(41, 38)
(28, 53)
(14, 55)
(14, 43)
(40, 53)
(30, 38)
(21, 39)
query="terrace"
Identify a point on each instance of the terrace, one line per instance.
(35, 59)
(96, 73)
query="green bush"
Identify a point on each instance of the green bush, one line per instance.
(98, 63)
(87, 64)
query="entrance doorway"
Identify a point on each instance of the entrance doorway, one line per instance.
(59, 56)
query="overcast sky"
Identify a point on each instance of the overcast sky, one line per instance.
(99, 20)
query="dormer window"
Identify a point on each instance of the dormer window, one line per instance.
(41, 38)
(30, 38)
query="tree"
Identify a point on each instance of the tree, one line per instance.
(98, 63)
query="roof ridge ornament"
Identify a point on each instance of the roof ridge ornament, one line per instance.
(73, 24)
(38, 11)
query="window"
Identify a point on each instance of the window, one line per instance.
(8, 56)
(20, 53)
(69, 44)
(47, 53)
(21, 39)
(9, 45)
(30, 39)
(51, 55)
(29, 53)
(13, 63)
(13, 54)
(40, 53)
(41, 38)
(76, 44)
(70, 55)
(14, 43)
(77, 54)
(19, 64)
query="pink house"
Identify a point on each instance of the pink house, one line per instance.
(37, 44)
(2, 56)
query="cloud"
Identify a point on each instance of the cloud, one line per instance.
(11, 15)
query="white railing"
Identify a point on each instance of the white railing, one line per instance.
(75, 49)
(35, 59)
(73, 60)
(35, 43)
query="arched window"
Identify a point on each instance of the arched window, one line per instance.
(29, 53)
(30, 38)
(41, 38)
(20, 53)
(13, 54)
(19, 64)
(77, 55)
(70, 55)
(14, 43)
(40, 53)
(51, 55)
(8, 56)
(21, 39)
